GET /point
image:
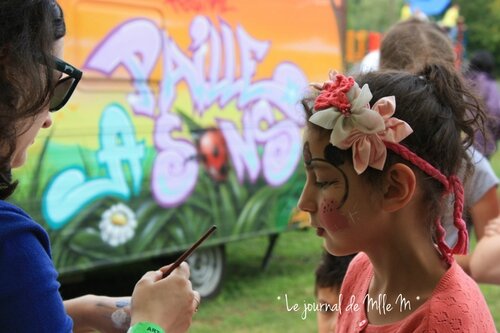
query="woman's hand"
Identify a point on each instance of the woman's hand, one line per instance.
(168, 302)
(91, 313)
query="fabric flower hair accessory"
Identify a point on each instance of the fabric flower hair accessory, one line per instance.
(344, 108)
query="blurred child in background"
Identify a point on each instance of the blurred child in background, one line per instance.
(329, 276)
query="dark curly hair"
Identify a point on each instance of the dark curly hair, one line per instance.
(27, 35)
(331, 271)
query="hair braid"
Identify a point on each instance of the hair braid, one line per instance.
(450, 184)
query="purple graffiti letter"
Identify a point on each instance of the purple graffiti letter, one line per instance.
(135, 45)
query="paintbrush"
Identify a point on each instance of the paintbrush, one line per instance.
(188, 252)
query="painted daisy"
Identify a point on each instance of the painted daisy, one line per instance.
(117, 225)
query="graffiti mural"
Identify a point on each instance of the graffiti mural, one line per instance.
(177, 126)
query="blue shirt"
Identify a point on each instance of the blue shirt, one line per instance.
(29, 291)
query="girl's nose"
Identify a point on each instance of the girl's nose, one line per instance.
(306, 202)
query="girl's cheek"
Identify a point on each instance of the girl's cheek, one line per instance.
(330, 217)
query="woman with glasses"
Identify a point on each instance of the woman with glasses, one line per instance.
(35, 81)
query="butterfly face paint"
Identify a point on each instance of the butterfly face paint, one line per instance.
(332, 157)
(306, 153)
(330, 216)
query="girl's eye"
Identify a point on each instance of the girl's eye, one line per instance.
(323, 185)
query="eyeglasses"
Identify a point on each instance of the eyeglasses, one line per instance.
(65, 86)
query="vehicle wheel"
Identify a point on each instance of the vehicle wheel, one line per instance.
(207, 267)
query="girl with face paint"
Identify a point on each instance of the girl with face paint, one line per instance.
(338, 210)
(330, 206)
(380, 160)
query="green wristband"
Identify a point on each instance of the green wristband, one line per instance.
(145, 327)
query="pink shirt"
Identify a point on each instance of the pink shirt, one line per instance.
(456, 305)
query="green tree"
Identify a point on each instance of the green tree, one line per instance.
(482, 19)
(372, 15)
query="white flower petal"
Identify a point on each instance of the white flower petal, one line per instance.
(353, 93)
(325, 118)
(362, 100)
(117, 234)
(342, 129)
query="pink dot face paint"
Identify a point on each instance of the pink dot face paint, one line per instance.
(330, 216)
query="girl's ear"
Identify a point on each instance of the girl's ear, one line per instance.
(399, 187)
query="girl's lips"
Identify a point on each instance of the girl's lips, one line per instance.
(320, 232)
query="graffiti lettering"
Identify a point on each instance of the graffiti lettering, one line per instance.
(218, 68)
(174, 173)
(70, 190)
(136, 46)
(282, 91)
(280, 140)
(281, 143)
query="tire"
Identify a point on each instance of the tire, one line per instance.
(207, 268)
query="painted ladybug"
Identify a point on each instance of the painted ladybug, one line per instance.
(213, 153)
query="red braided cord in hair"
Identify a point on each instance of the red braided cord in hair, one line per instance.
(441, 242)
(453, 183)
(425, 166)
(463, 239)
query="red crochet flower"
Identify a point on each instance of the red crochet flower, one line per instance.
(334, 94)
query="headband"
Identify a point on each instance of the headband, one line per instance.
(344, 108)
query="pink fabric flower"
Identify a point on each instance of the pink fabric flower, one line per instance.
(368, 149)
